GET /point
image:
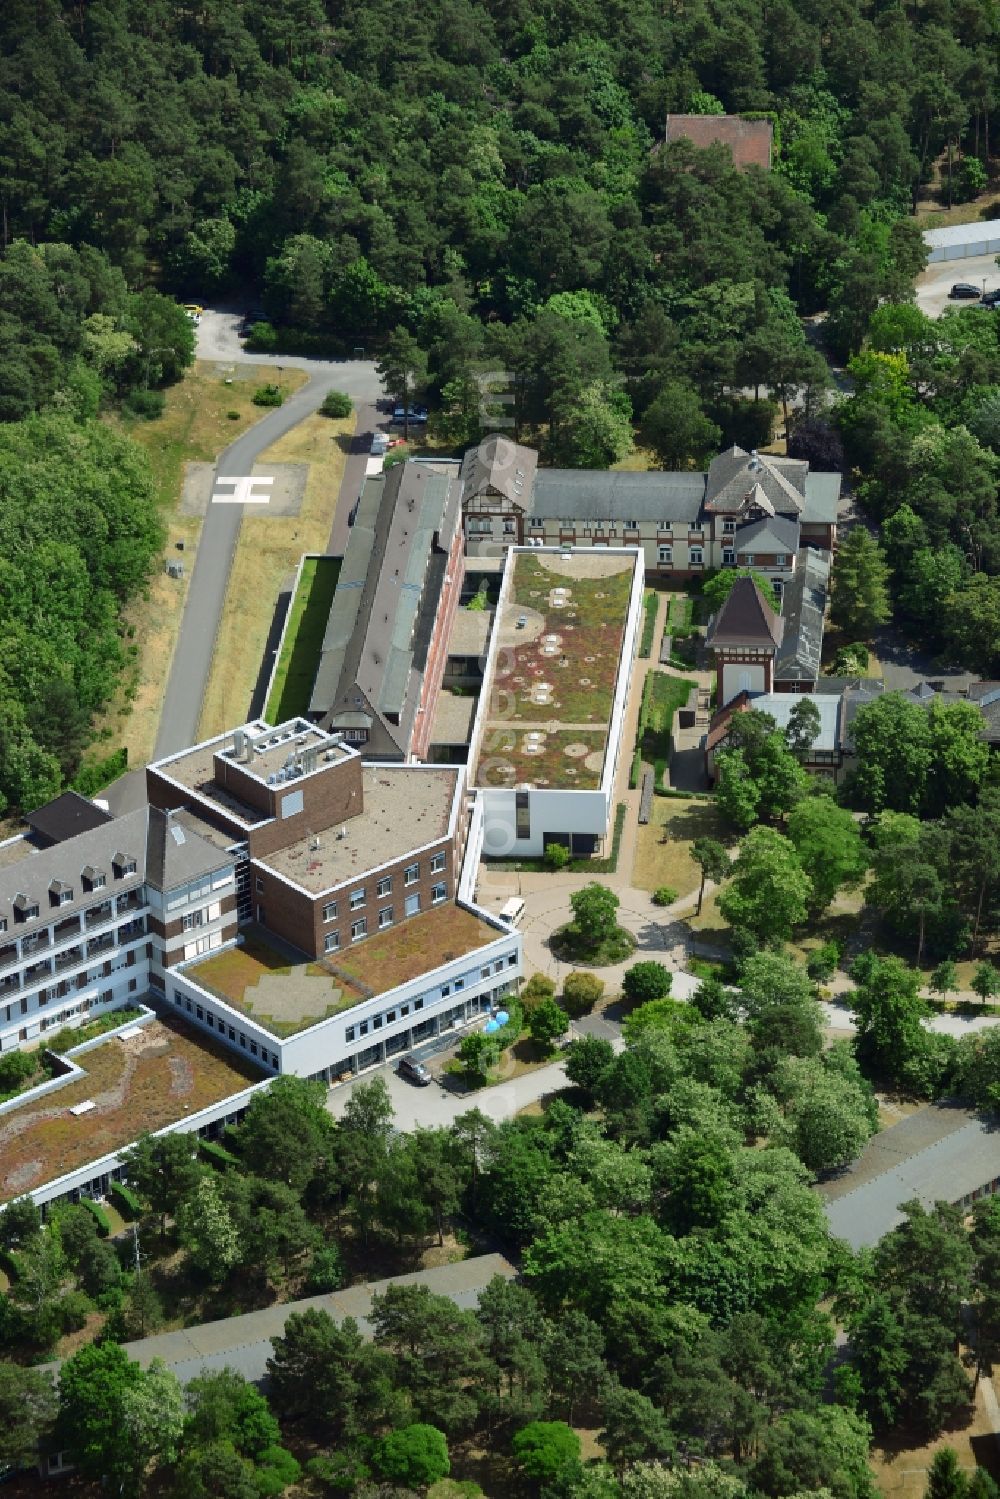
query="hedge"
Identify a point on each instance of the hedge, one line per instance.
(10, 1263)
(651, 604)
(99, 1216)
(125, 1200)
(217, 1155)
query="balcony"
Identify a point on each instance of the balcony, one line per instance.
(132, 929)
(10, 984)
(69, 959)
(64, 930)
(98, 915)
(36, 970)
(97, 945)
(36, 943)
(130, 902)
(8, 955)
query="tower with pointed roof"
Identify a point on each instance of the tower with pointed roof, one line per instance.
(744, 637)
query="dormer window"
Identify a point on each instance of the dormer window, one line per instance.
(25, 909)
(93, 879)
(60, 894)
(123, 864)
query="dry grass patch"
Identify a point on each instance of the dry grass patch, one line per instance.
(669, 862)
(267, 552)
(402, 952)
(141, 1082)
(194, 427)
(901, 1471)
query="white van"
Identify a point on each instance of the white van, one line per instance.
(513, 910)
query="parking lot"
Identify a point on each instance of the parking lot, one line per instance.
(934, 284)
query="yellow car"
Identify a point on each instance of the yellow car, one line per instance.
(194, 312)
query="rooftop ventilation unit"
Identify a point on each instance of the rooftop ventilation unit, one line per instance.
(272, 780)
(341, 834)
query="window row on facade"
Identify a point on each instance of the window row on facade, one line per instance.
(386, 916)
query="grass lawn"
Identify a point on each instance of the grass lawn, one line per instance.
(663, 850)
(681, 611)
(402, 952)
(267, 553)
(194, 427)
(650, 605)
(300, 651)
(662, 695)
(148, 1081)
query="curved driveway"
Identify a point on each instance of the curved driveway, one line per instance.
(218, 341)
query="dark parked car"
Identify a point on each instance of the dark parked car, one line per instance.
(991, 298)
(417, 415)
(965, 291)
(414, 1072)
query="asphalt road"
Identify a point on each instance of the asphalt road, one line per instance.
(218, 341)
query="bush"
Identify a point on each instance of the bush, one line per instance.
(92, 778)
(233, 416)
(547, 1450)
(148, 404)
(664, 895)
(98, 1214)
(546, 1023)
(72, 1310)
(557, 855)
(268, 395)
(125, 1200)
(263, 337)
(16, 1067)
(217, 1155)
(822, 964)
(478, 1054)
(646, 981)
(413, 1456)
(326, 1272)
(336, 403)
(538, 987)
(581, 991)
(276, 1468)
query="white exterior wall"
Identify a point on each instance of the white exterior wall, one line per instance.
(742, 676)
(959, 241)
(327, 1044)
(556, 810)
(20, 1009)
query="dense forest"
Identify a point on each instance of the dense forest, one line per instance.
(485, 187)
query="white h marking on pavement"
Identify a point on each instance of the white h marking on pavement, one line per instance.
(243, 491)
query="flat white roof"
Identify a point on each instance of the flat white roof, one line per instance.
(780, 704)
(960, 234)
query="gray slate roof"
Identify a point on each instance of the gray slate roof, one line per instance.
(948, 1170)
(802, 607)
(734, 474)
(497, 463)
(143, 835)
(244, 1343)
(591, 495)
(777, 534)
(387, 594)
(822, 497)
(65, 816)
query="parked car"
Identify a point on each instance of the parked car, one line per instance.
(414, 1072)
(417, 414)
(380, 443)
(991, 298)
(194, 312)
(964, 291)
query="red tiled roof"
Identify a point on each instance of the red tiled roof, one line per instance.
(718, 729)
(749, 141)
